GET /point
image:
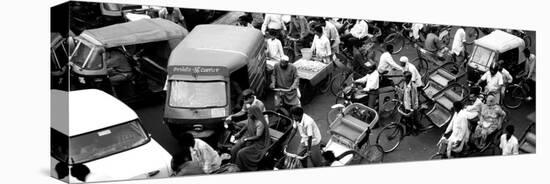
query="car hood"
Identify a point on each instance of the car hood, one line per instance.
(131, 164)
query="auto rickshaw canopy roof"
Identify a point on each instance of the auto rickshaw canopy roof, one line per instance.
(135, 32)
(91, 110)
(500, 41)
(217, 45)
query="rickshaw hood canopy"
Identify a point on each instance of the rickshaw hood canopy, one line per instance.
(135, 32)
(500, 41)
(217, 45)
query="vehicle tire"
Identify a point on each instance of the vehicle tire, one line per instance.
(513, 97)
(472, 34)
(390, 137)
(395, 40)
(438, 156)
(373, 153)
(333, 114)
(337, 83)
(421, 66)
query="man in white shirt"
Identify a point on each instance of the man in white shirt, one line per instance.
(457, 48)
(332, 34)
(458, 128)
(311, 136)
(358, 32)
(274, 46)
(371, 80)
(386, 63)
(274, 22)
(494, 81)
(530, 72)
(320, 47)
(508, 142)
(416, 77)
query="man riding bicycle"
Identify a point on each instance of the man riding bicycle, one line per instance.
(285, 79)
(371, 81)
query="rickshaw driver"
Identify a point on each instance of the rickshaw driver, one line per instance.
(411, 103)
(387, 65)
(494, 82)
(285, 75)
(371, 81)
(249, 100)
(310, 136)
(118, 67)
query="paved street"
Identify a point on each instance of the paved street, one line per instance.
(412, 148)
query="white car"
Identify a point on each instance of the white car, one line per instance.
(105, 136)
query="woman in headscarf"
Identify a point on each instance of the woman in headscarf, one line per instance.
(490, 119)
(256, 139)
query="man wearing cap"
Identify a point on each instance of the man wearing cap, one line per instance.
(285, 76)
(371, 81)
(416, 77)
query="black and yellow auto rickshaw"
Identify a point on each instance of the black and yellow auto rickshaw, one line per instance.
(144, 45)
(207, 72)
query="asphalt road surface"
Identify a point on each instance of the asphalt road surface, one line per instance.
(412, 148)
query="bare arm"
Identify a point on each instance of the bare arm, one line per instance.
(259, 132)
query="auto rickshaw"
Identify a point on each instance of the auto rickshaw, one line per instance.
(207, 72)
(145, 44)
(59, 57)
(498, 45)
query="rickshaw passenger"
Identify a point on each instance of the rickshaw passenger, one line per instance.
(457, 131)
(371, 81)
(248, 151)
(358, 32)
(508, 142)
(274, 46)
(285, 75)
(494, 81)
(311, 136)
(432, 42)
(203, 158)
(490, 119)
(119, 69)
(320, 47)
(458, 42)
(249, 100)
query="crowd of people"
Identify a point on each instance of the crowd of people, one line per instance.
(324, 36)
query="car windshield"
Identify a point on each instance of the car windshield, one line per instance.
(197, 94)
(483, 56)
(80, 54)
(105, 142)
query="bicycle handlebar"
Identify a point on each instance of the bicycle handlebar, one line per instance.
(282, 90)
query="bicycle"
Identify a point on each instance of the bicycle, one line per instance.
(290, 48)
(400, 36)
(516, 94)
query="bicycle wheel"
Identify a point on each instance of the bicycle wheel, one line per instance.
(332, 114)
(421, 66)
(396, 40)
(373, 153)
(390, 137)
(337, 83)
(324, 85)
(472, 34)
(513, 97)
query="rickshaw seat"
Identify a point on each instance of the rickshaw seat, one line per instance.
(447, 99)
(349, 127)
(275, 134)
(431, 89)
(442, 77)
(439, 115)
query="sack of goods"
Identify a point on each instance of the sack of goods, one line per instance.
(308, 65)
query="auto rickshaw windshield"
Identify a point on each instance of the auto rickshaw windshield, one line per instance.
(195, 94)
(105, 142)
(483, 56)
(87, 57)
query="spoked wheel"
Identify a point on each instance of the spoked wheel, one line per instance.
(395, 40)
(513, 97)
(337, 83)
(324, 86)
(421, 66)
(390, 137)
(471, 34)
(373, 153)
(332, 114)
